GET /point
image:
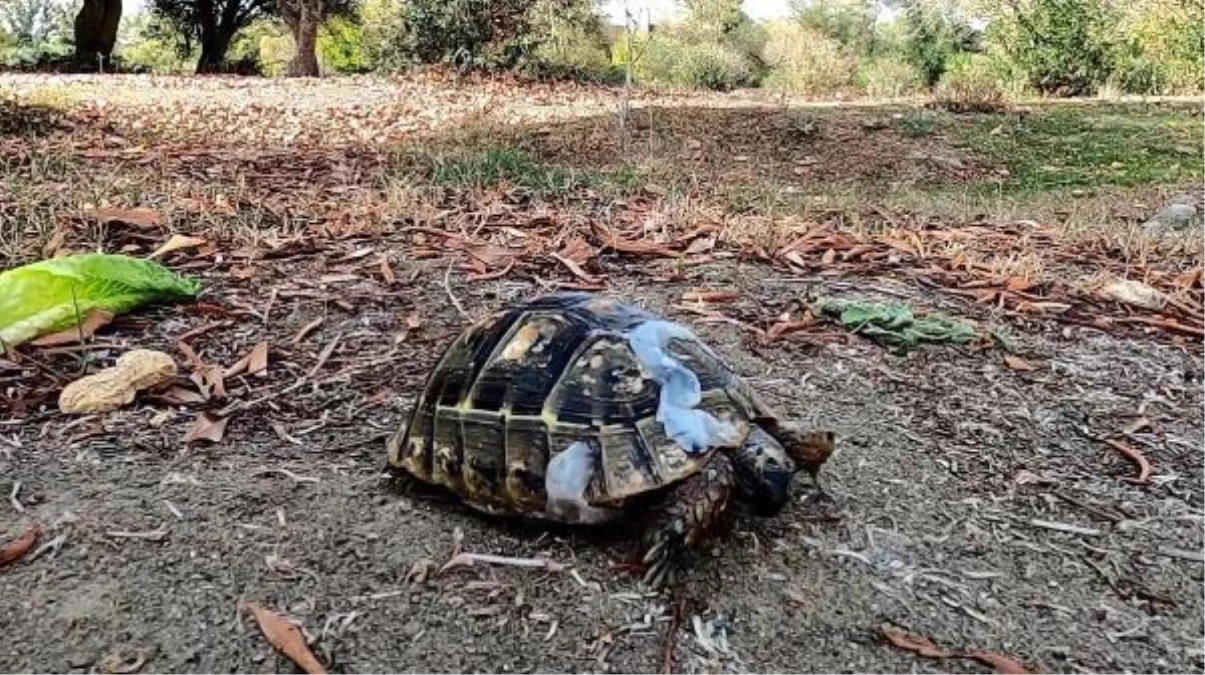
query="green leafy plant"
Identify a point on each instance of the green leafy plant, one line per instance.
(56, 294)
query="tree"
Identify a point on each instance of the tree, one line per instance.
(304, 17)
(1065, 47)
(935, 32)
(96, 31)
(212, 23)
(849, 22)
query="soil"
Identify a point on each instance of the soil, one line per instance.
(971, 503)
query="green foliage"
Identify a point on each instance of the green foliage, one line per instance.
(934, 34)
(1065, 47)
(34, 32)
(803, 61)
(341, 45)
(1161, 48)
(491, 34)
(383, 30)
(851, 23)
(916, 123)
(264, 47)
(971, 84)
(1078, 146)
(143, 47)
(886, 78)
(717, 47)
(571, 42)
(54, 294)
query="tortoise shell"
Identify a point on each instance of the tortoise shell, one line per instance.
(523, 384)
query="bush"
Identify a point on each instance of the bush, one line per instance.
(1064, 47)
(673, 61)
(970, 85)
(1161, 48)
(341, 46)
(146, 48)
(803, 61)
(887, 78)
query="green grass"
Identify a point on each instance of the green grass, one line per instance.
(1088, 146)
(493, 166)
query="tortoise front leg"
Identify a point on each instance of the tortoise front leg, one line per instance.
(688, 512)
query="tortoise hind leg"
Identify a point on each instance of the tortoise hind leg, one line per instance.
(688, 512)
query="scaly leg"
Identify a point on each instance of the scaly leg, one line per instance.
(690, 509)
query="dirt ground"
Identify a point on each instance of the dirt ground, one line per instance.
(974, 500)
(949, 463)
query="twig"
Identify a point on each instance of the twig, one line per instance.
(451, 295)
(1171, 552)
(12, 497)
(1064, 527)
(150, 535)
(326, 354)
(306, 330)
(470, 559)
(671, 635)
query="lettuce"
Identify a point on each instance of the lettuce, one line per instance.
(52, 295)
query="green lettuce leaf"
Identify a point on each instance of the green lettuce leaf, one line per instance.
(53, 295)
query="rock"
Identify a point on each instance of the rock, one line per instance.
(114, 387)
(1181, 213)
(947, 162)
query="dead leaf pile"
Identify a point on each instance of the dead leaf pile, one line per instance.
(923, 646)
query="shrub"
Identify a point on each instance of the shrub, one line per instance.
(142, 47)
(703, 65)
(1160, 49)
(341, 46)
(970, 85)
(1064, 47)
(803, 61)
(887, 78)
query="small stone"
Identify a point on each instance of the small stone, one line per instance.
(80, 660)
(412, 628)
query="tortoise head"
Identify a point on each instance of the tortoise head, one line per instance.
(808, 447)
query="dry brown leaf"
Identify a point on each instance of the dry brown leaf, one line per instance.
(287, 638)
(1006, 665)
(1017, 363)
(207, 427)
(577, 270)
(92, 321)
(710, 296)
(138, 217)
(1134, 455)
(1017, 284)
(781, 328)
(915, 643)
(243, 272)
(177, 242)
(387, 271)
(176, 395)
(828, 257)
(924, 647)
(1137, 425)
(15, 549)
(641, 247)
(257, 361)
(701, 245)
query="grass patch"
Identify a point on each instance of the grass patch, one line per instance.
(916, 123)
(493, 166)
(1085, 146)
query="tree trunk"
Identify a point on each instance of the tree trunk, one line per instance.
(96, 32)
(303, 21)
(213, 53)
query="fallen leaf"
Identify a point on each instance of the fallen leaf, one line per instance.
(640, 247)
(413, 321)
(207, 427)
(286, 637)
(1134, 455)
(924, 647)
(243, 272)
(387, 271)
(94, 320)
(782, 328)
(176, 395)
(710, 296)
(1002, 663)
(700, 245)
(1017, 363)
(828, 257)
(15, 549)
(138, 217)
(1017, 284)
(175, 243)
(577, 270)
(257, 362)
(915, 643)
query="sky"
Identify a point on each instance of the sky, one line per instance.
(658, 9)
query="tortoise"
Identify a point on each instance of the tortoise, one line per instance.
(575, 408)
